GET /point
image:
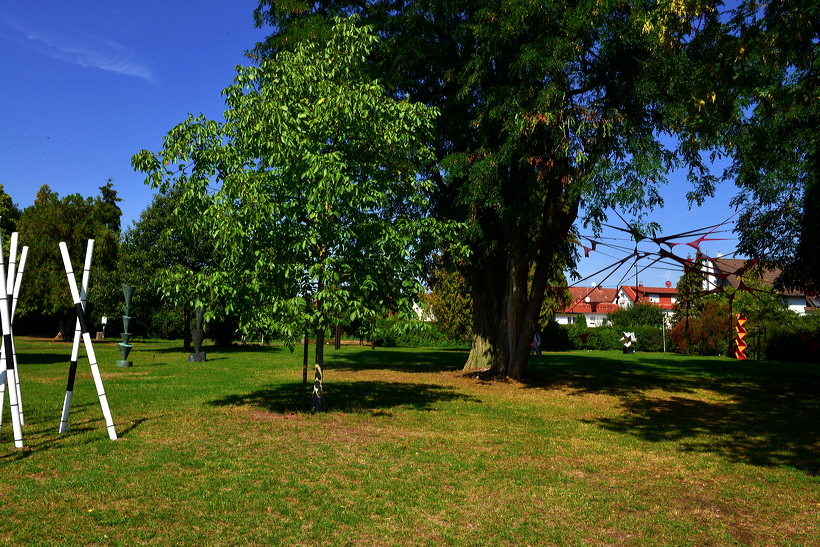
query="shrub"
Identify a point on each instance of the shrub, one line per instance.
(649, 338)
(555, 337)
(396, 331)
(798, 340)
(709, 334)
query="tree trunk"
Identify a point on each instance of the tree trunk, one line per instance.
(186, 329)
(506, 302)
(503, 317)
(320, 347)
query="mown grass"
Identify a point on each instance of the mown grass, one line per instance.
(597, 448)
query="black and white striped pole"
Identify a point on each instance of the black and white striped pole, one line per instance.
(78, 334)
(86, 335)
(13, 281)
(8, 374)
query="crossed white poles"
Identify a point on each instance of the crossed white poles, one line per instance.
(81, 330)
(9, 374)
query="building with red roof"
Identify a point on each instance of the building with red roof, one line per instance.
(594, 303)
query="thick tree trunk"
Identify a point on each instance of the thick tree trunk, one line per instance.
(503, 317)
(506, 301)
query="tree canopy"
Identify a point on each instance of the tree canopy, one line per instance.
(158, 255)
(548, 110)
(310, 186)
(73, 219)
(775, 143)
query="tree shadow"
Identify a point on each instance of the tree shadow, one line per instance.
(250, 348)
(434, 360)
(764, 413)
(359, 396)
(27, 358)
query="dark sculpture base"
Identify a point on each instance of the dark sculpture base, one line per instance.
(198, 357)
(124, 364)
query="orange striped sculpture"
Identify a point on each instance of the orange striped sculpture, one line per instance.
(740, 336)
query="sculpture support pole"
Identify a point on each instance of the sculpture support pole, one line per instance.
(89, 348)
(9, 374)
(13, 294)
(75, 347)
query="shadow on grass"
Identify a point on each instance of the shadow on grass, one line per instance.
(26, 358)
(250, 348)
(759, 413)
(401, 360)
(369, 396)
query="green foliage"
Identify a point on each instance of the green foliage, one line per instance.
(450, 301)
(74, 220)
(689, 297)
(774, 145)
(311, 187)
(548, 109)
(796, 340)
(160, 255)
(639, 314)
(555, 337)
(606, 338)
(710, 333)
(9, 216)
(396, 331)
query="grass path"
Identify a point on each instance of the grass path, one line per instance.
(595, 449)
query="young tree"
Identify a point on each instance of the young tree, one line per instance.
(310, 186)
(548, 109)
(690, 291)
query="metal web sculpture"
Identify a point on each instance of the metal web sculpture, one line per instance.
(82, 331)
(663, 256)
(9, 373)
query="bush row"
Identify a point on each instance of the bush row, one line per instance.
(401, 332)
(557, 337)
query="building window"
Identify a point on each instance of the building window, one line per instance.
(655, 298)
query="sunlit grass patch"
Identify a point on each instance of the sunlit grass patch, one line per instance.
(593, 448)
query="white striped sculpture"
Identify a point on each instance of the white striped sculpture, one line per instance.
(9, 372)
(82, 331)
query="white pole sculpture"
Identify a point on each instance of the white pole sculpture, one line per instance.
(13, 292)
(8, 374)
(78, 334)
(89, 348)
(13, 280)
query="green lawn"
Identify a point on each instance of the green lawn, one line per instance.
(598, 448)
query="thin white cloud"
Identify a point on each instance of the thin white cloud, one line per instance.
(80, 49)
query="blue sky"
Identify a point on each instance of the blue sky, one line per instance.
(85, 85)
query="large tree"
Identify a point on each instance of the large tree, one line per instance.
(776, 145)
(548, 109)
(159, 255)
(73, 219)
(310, 186)
(9, 215)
